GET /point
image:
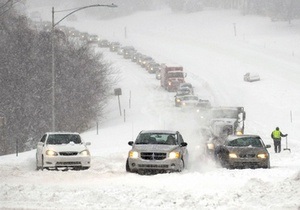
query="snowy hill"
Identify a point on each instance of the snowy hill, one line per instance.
(215, 60)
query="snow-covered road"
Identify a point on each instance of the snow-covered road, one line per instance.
(215, 60)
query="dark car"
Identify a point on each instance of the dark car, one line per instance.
(144, 60)
(153, 67)
(156, 151)
(180, 93)
(114, 46)
(186, 84)
(127, 53)
(103, 43)
(243, 151)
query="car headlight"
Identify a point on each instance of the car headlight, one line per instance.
(262, 155)
(85, 153)
(174, 155)
(210, 146)
(51, 153)
(178, 100)
(133, 154)
(232, 155)
(169, 83)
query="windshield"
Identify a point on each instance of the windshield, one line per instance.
(224, 114)
(63, 139)
(246, 142)
(190, 98)
(175, 74)
(183, 91)
(157, 138)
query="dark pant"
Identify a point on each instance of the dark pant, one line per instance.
(277, 145)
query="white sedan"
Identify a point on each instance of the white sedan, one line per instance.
(62, 150)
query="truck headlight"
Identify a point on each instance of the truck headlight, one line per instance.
(85, 153)
(262, 155)
(232, 155)
(174, 155)
(51, 153)
(133, 154)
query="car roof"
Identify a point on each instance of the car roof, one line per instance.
(59, 132)
(233, 137)
(185, 84)
(159, 131)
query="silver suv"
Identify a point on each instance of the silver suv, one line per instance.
(157, 151)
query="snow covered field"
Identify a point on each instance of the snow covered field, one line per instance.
(215, 60)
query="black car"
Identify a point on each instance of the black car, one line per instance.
(104, 43)
(243, 151)
(114, 46)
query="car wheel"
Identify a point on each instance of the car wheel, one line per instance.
(222, 160)
(85, 168)
(37, 164)
(182, 165)
(42, 167)
(127, 167)
(267, 166)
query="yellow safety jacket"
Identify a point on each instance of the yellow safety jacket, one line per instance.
(276, 134)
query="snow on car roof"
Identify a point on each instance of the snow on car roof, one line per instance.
(159, 131)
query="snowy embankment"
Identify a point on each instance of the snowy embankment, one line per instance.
(215, 60)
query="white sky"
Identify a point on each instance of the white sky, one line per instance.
(215, 61)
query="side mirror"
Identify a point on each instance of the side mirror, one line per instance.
(87, 143)
(268, 146)
(183, 144)
(130, 143)
(185, 74)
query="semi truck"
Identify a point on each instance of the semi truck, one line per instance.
(171, 77)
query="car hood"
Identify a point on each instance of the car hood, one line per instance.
(247, 150)
(190, 102)
(154, 147)
(67, 147)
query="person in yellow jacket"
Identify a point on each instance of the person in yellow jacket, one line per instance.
(276, 136)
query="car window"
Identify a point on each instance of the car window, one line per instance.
(157, 138)
(63, 139)
(43, 138)
(246, 142)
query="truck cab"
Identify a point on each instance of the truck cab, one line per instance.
(172, 77)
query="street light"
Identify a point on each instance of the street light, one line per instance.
(52, 46)
(2, 132)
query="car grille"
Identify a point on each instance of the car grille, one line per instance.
(75, 163)
(68, 153)
(247, 155)
(152, 166)
(153, 156)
